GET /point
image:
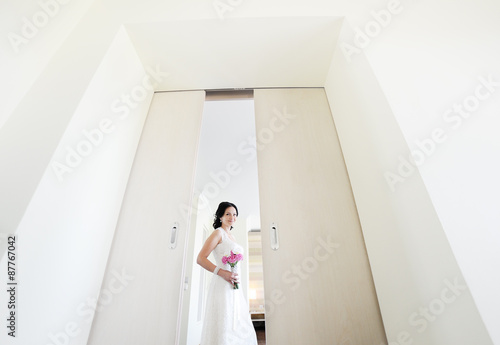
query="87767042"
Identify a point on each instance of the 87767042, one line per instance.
(11, 258)
(11, 285)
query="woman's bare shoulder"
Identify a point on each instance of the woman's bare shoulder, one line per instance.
(217, 234)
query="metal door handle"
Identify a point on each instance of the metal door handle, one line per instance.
(173, 235)
(275, 243)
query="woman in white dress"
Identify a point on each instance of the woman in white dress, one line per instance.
(227, 320)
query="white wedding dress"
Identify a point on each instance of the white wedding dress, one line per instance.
(227, 320)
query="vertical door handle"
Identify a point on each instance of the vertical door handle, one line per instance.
(173, 235)
(275, 243)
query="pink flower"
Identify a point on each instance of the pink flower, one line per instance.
(232, 259)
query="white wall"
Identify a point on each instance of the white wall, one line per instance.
(410, 256)
(34, 129)
(426, 62)
(32, 31)
(66, 232)
(227, 163)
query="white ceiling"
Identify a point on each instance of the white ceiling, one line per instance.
(238, 53)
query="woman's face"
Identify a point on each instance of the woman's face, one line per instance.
(229, 217)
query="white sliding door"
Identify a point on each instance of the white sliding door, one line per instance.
(139, 301)
(318, 284)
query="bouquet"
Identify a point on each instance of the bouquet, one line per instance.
(232, 260)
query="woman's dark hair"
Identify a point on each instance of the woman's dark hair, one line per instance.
(223, 206)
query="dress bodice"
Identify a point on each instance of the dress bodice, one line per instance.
(224, 248)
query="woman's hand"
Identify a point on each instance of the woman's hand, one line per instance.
(229, 276)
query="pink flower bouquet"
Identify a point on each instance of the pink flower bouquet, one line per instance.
(232, 260)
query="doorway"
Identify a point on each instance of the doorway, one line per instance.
(226, 170)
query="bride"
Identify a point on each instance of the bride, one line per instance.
(227, 320)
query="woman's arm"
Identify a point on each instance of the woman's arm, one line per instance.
(202, 259)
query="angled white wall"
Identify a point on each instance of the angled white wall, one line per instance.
(66, 232)
(32, 32)
(36, 126)
(422, 293)
(439, 71)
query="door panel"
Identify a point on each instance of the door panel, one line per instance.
(318, 284)
(139, 301)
